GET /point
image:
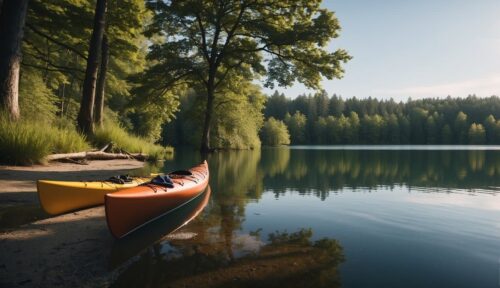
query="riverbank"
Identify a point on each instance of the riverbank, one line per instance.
(70, 250)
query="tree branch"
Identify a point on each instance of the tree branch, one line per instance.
(54, 65)
(48, 69)
(32, 28)
(230, 34)
(203, 36)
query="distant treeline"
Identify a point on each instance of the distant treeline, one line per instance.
(320, 119)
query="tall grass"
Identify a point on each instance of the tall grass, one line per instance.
(28, 142)
(112, 132)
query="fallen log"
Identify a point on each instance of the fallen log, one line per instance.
(96, 155)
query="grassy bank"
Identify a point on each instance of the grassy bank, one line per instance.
(112, 132)
(28, 142)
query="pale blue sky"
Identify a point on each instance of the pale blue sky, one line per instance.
(419, 48)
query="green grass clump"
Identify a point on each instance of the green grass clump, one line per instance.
(112, 132)
(65, 140)
(27, 142)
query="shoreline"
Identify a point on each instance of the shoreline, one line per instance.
(44, 251)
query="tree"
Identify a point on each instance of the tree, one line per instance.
(204, 41)
(101, 82)
(274, 133)
(491, 125)
(276, 106)
(240, 118)
(336, 105)
(392, 135)
(461, 127)
(446, 135)
(477, 134)
(56, 45)
(432, 130)
(12, 18)
(86, 114)
(352, 134)
(296, 125)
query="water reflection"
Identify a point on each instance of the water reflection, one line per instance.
(287, 260)
(228, 250)
(241, 175)
(322, 171)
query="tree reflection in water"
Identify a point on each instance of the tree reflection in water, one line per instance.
(287, 260)
(222, 254)
(321, 172)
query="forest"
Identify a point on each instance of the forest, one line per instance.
(320, 119)
(76, 75)
(94, 72)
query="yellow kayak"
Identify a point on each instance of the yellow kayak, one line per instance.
(57, 197)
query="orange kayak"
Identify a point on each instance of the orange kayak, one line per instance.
(144, 237)
(129, 209)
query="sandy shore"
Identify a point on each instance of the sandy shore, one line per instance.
(70, 250)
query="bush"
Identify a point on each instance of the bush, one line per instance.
(274, 133)
(28, 142)
(112, 132)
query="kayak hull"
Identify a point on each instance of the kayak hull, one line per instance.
(129, 209)
(58, 197)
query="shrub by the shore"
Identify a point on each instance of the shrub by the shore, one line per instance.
(27, 142)
(112, 132)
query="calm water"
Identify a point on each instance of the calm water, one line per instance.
(328, 217)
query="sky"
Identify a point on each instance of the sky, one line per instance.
(417, 49)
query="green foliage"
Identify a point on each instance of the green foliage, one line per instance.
(293, 36)
(55, 47)
(240, 117)
(29, 142)
(236, 127)
(372, 121)
(54, 50)
(296, 126)
(461, 127)
(274, 133)
(477, 134)
(148, 118)
(36, 100)
(446, 135)
(206, 44)
(492, 129)
(112, 132)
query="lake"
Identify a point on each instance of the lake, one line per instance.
(329, 217)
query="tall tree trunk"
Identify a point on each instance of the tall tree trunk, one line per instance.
(205, 139)
(101, 83)
(12, 17)
(86, 113)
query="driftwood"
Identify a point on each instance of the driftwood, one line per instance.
(97, 155)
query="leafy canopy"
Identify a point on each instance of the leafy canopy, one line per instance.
(203, 41)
